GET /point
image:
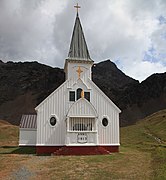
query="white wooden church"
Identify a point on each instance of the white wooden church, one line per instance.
(77, 118)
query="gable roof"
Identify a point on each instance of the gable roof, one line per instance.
(29, 121)
(82, 107)
(104, 95)
(39, 105)
(78, 47)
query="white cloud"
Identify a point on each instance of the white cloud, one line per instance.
(141, 70)
(120, 30)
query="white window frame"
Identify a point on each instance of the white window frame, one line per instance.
(82, 121)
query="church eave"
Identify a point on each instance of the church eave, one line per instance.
(49, 96)
(76, 60)
(104, 95)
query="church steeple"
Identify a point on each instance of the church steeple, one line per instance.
(78, 64)
(78, 47)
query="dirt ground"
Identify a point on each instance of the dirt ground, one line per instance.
(128, 164)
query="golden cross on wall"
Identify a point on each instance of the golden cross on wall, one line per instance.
(79, 71)
(77, 7)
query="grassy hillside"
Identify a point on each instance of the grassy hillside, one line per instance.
(149, 135)
(8, 134)
(149, 131)
(142, 156)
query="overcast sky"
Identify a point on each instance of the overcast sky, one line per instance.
(132, 33)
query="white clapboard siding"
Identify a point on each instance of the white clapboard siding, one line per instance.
(106, 108)
(27, 137)
(56, 105)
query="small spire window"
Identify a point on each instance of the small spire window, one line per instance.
(72, 96)
(87, 95)
(79, 90)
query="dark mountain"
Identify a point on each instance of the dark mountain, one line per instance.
(25, 85)
(112, 81)
(135, 99)
(143, 99)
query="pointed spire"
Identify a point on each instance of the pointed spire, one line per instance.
(78, 47)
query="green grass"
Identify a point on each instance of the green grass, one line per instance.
(149, 135)
(156, 124)
(8, 134)
(159, 162)
(142, 156)
(17, 150)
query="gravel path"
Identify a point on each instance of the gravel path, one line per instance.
(22, 173)
(25, 172)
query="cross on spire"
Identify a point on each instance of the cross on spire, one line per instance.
(77, 7)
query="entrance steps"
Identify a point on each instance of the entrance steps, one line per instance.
(81, 150)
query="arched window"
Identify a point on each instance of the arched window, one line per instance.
(79, 90)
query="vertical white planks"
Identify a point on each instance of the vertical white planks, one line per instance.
(53, 105)
(110, 134)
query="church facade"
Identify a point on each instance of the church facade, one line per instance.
(77, 118)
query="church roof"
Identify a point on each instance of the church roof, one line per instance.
(28, 121)
(78, 47)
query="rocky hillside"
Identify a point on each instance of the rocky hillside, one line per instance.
(24, 85)
(136, 100)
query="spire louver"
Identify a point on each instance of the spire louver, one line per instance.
(78, 47)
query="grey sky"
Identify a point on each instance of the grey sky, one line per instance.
(132, 33)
